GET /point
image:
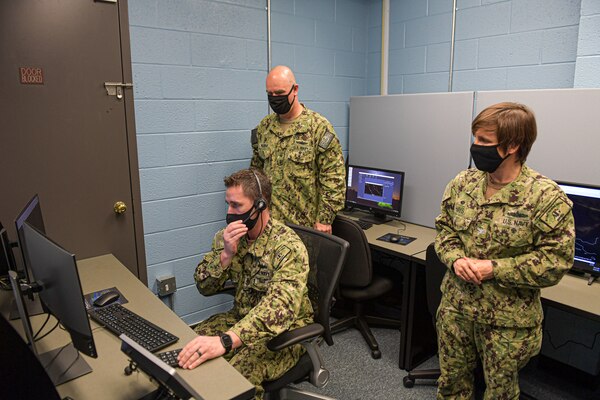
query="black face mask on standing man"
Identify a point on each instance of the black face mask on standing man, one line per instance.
(280, 104)
(486, 158)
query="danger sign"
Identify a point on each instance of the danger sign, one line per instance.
(31, 75)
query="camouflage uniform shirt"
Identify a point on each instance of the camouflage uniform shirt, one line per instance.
(305, 165)
(271, 274)
(526, 229)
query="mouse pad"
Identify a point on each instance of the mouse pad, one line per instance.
(403, 240)
(90, 297)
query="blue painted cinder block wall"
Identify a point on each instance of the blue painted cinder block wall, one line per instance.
(199, 69)
(199, 74)
(500, 45)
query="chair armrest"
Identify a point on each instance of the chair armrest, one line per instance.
(295, 336)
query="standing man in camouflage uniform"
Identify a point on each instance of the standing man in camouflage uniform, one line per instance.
(270, 265)
(504, 231)
(299, 151)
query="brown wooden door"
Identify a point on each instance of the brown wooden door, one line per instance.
(66, 139)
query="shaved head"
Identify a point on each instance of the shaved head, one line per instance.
(281, 75)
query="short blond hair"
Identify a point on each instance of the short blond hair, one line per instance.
(513, 123)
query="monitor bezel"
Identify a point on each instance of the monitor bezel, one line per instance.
(579, 266)
(376, 211)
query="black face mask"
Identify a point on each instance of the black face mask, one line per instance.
(486, 158)
(245, 218)
(280, 104)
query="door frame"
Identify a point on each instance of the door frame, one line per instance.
(134, 173)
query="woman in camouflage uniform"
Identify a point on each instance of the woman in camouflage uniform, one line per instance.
(504, 231)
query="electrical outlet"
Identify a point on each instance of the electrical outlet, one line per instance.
(166, 285)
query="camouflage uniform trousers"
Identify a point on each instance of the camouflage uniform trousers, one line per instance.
(503, 352)
(255, 363)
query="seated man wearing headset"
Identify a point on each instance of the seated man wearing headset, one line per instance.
(269, 263)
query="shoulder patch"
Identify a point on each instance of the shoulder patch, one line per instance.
(555, 213)
(281, 254)
(326, 140)
(254, 136)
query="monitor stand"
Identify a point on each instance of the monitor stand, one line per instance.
(34, 307)
(376, 218)
(64, 364)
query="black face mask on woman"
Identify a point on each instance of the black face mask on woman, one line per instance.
(280, 104)
(486, 158)
(245, 218)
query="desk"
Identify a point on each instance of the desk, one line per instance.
(216, 379)
(574, 294)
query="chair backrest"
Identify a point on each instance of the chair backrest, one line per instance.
(434, 274)
(326, 254)
(358, 270)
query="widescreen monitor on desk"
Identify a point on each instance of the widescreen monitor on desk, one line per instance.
(586, 211)
(378, 191)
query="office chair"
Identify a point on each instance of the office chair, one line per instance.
(327, 255)
(434, 273)
(359, 284)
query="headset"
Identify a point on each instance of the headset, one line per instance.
(260, 203)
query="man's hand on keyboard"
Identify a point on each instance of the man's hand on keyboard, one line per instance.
(199, 350)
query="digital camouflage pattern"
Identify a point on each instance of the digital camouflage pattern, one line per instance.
(503, 351)
(256, 363)
(271, 297)
(528, 231)
(305, 165)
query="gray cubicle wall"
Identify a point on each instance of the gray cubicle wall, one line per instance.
(425, 135)
(568, 143)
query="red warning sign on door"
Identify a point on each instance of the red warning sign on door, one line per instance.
(31, 75)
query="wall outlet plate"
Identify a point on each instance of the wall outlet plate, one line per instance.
(166, 285)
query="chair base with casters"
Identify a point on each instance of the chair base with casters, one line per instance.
(361, 321)
(409, 380)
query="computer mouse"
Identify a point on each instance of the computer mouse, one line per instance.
(107, 298)
(394, 239)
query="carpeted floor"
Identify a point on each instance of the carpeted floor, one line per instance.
(355, 375)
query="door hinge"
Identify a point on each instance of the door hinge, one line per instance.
(116, 88)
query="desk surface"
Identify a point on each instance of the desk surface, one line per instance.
(573, 291)
(216, 379)
(424, 236)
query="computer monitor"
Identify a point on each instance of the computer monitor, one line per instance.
(378, 191)
(31, 213)
(7, 259)
(55, 276)
(171, 385)
(586, 211)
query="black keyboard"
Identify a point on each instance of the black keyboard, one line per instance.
(120, 320)
(364, 224)
(170, 357)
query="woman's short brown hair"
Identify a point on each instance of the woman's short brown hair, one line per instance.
(248, 179)
(513, 123)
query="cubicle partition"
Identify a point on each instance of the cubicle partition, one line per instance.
(425, 135)
(428, 137)
(568, 121)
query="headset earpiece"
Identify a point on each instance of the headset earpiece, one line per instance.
(260, 203)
